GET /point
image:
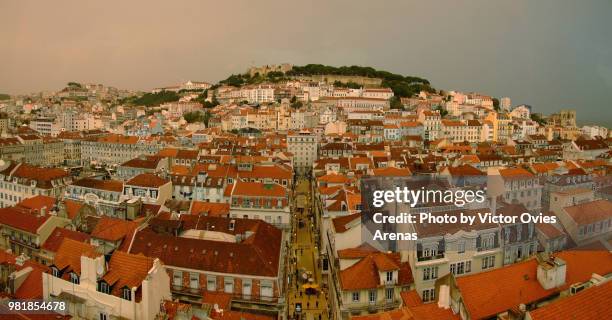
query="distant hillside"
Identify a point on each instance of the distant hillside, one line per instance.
(4, 96)
(402, 86)
(152, 99)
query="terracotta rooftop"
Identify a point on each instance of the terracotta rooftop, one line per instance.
(258, 189)
(487, 294)
(341, 223)
(127, 270)
(22, 219)
(68, 255)
(113, 229)
(259, 254)
(107, 185)
(58, 235)
(148, 180)
(590, 212)
(591, 303)
(365, 273)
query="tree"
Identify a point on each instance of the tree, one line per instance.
(396, 103)
(537, 118)
(192, 117)
(74, 84)
(153, 99)
(496, 104)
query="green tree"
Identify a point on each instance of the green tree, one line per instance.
(496, 104)
(396, 103)
(153, 99)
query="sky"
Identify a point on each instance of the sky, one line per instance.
(551, 54)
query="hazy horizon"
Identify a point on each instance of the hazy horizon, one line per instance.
(552, 54)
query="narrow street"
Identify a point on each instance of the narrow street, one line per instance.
(310, 303)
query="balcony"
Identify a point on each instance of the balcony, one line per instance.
(375, 307)
(428, 258)
(196, 295)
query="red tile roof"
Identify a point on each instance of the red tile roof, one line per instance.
(58, 235)
(590, 212)
(210, 208)
(391, 172)
(127, 270)
(359, 252)
(259, 189)
(113, 229)
(365, 273)
(340, 223)
(148, 180)
(592, 303)
(22, 220)
(411, 298)
(489, 293)
(68, 255)
(38, 202)
(108, 185)
(259, 254)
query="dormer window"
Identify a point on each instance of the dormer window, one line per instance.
(74, 278)
(389, 276)
(127, 294)
(103, 287)
(55, 271)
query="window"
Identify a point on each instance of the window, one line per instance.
(430, 273)
(194, 280)
(228, 285)
(372, 296)
(211, 283)
(389, 276)
(74, 278)
(461, 247)
(127, 294)
(389, 294)
(356, 296)
(103, 316)
(488, 262)
(246, 287)
(103, 287)
(177, 279)
(55, 271)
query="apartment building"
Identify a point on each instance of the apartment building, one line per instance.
(304, 147)
(20, 180)
(128, 286)
(104, 195)
(243, 258)
(522, 287)
(521, 186)
(261, 201)
(25, 230)
(372, 283)
(116, 149)
(142, 164)
(148, 188)
(587, 221)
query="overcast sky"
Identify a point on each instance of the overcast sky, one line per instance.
(551, 54)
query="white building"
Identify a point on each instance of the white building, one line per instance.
(127, 287)
(303, 146)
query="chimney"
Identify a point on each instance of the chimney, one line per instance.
(21, 259)
(444, 297)
(43, 211)
(551, 271)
